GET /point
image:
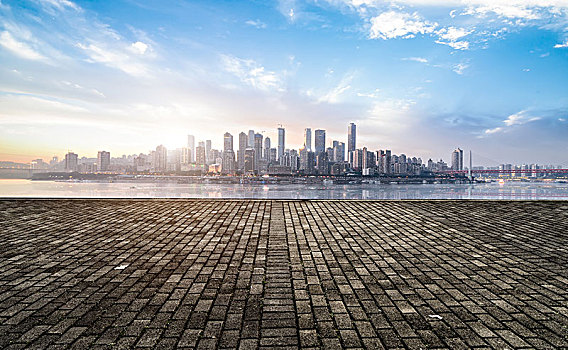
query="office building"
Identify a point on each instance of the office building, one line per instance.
(160, 160)
(308, 139)
(457, 160)
(250, 162)
(71, 161)
(243, 143)
(103, 161)
(208, 156)
(351, 137)
(267, 149)
(281, 142)
(191, 146)
(251, 139)
(319, 141)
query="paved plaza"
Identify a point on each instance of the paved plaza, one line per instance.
(247, 274)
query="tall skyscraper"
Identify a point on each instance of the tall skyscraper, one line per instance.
(308, 139)
(457, 159)
(161, 158)
(319, 141)
(351, 137)
(71, 161)
(227, 142)
(249, 161)
(257, 150)
(191, 146)
(228, 165)
(281, 142)
(251, 139)
(200, 158)
(103, 161)
(208, 155)
(338, 151)
(267, 149)
(243, 143)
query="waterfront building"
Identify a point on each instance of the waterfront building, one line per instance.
(319, 141)
(243, 142)
(191, 146)
(330, 154)
(339, 151)
(266, 155)
(251, 139)
(227, 142)
(200, 156)
(71, 161)
(103, 161)
(250, 162)
(273, 155)
(258, 150)
(281, 142)
(457, 159)
(160, 159)
(351, 137)
(208, 155)
(308, 139)
(323, 163)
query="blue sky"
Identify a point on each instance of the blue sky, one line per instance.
(419, 77)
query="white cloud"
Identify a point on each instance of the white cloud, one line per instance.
(512, 120)
(115, 58)
(451, 36)
(415, 59)
(19, 48)
(391, 24)
(139, 47)
(252, 73)
(256, 23)
(561, 46)
(460, 68)
(333, 95)
(374, 94)
(514, 11)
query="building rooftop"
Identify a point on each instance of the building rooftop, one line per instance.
(251, 273)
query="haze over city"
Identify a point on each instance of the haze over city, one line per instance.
(418, 77)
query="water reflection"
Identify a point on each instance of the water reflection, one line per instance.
(507, 191)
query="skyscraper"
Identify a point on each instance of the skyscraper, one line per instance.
(281, 142)
(267, 149)
(228, 165)
(227, 142)
(457, 159)
(191, 146)
(208, 155)
(351, 137)
(243, 143)
(251, 139)
(319, 141)
(103, 161)
(71, 161)
(200, 156)
(257, 150)
(161, 158)
(249, 161)
(308, 139)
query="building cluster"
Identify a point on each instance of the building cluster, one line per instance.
(254, 154)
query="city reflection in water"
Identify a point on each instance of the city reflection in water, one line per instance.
(507, 191)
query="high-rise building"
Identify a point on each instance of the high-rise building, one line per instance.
(308, 139)
(351, 137)
(322, 163)
(339, 151)
(227, 142)
(457, 159)
(161, 159)
(71, 161)
(251, 139)
(319, 141)
(281, 142)
(257, 149)
(191, 146)
(250, 162)
(200, 158)
(103, 161)
(267, 149)
(208, 155)
(243, 143)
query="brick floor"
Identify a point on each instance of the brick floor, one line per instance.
(260, 274)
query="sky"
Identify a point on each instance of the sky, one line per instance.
(419, 77)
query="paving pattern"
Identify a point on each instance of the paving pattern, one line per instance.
(205, 274)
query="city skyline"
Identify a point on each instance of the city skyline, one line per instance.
(417, 77)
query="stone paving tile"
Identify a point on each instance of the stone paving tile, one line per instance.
(250, 274)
